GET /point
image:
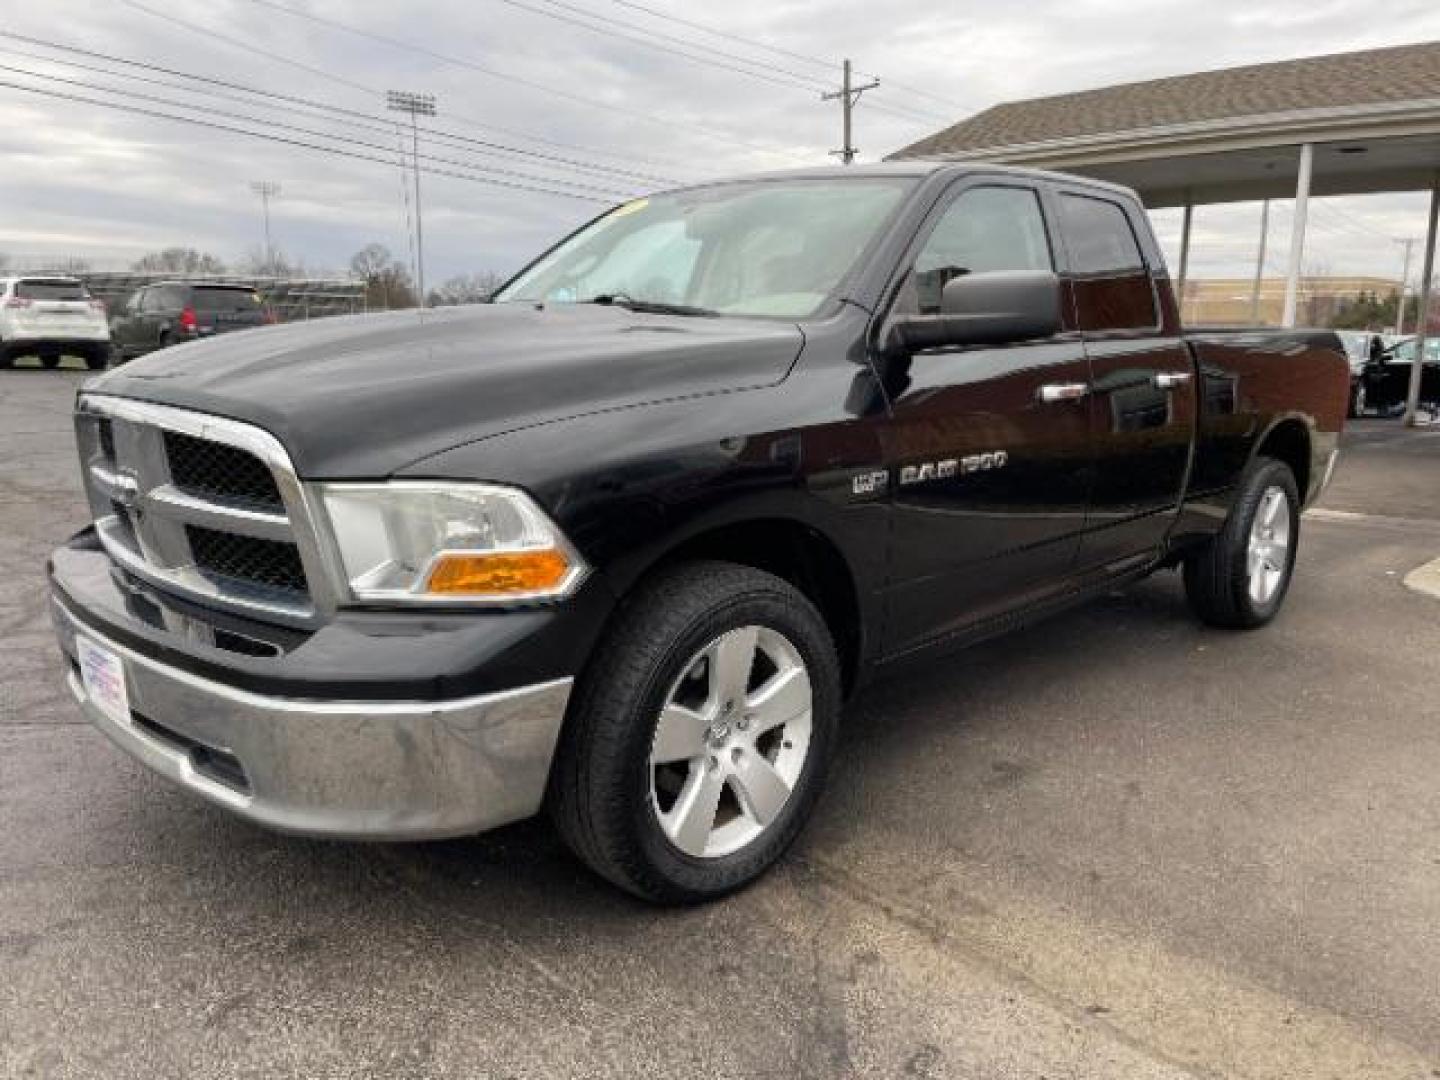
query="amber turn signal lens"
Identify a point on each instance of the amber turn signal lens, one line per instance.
(498, 573)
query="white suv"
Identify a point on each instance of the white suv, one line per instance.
(50, 317)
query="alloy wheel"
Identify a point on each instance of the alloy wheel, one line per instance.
(731, 742)
(1267, 557)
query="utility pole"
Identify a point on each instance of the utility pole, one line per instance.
(1404, 284)
(267, 190)
(848, 94)
(417, 105)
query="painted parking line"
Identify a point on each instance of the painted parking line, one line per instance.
(1425, 579)
(1351, 517)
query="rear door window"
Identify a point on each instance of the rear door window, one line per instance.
(228, 300)
(1113, 290)
(39, 289)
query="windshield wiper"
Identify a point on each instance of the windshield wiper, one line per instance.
(649, 307)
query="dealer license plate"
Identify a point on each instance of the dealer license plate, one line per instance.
(103, 674)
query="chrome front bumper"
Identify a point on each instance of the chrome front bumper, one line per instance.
(344, 769)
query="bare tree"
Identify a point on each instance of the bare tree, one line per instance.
(387, 282)
(467, 289)
(274, 263)
(179, 260)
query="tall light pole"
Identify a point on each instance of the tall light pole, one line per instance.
(267, 190)
(848, 94)
(417, 105)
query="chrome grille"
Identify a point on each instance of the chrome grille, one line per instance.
(212, 470)
(247, 558)
(200, 505)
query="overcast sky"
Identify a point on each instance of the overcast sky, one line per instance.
(82, 179)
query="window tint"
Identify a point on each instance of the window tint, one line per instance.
(211, 299)
(1113, 290)
(39, 289)
(1100, 238)
(985, 229)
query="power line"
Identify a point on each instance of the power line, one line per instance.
(311, 132)
(369, 91)
(1352, 221)
(210, 33)
(334, 150)
(422, 50)
(829, 65)
(793, 80)
(797, 79)
(353, 116)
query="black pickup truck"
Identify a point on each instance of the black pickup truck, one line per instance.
(621, 543)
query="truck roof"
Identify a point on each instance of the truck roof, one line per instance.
(915, 168)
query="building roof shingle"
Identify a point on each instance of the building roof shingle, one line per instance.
(1395, 74)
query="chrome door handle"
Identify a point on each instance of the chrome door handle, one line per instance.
(1170, 380)
(1053, 392)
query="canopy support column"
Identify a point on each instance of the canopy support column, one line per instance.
(1259, 264)
(1184, 254)
(1422, 320)
(1297, 234)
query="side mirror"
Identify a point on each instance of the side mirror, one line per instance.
(999, 308)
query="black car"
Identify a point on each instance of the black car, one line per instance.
(1384, 384)
(172, 312)
(620, 543)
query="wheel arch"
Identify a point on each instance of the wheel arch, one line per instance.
(1290, 439)
(794, 550)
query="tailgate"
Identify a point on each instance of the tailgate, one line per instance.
(218, 309)
(54, 308)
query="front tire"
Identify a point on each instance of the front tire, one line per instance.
(700, 734)
(98, 359)
(1240, 578)
(50, 360)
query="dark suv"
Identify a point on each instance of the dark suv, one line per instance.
(172, 312)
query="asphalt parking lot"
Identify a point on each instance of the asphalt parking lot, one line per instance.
(1115, 845)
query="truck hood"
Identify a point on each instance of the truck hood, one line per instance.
(362, 396)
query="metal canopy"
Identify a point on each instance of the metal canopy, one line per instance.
(1179, 168)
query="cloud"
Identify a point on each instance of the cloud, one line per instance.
(105, 184)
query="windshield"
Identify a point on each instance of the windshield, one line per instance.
(776, 248)
(1404, 353)
(37, 289)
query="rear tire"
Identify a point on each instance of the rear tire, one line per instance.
(1358, 402)
(98, 359)
(1240, 578)
(50, 360)
(680, 705)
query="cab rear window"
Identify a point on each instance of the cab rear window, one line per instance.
(50, 290)
(206, 299)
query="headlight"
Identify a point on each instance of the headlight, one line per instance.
(420, 541)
